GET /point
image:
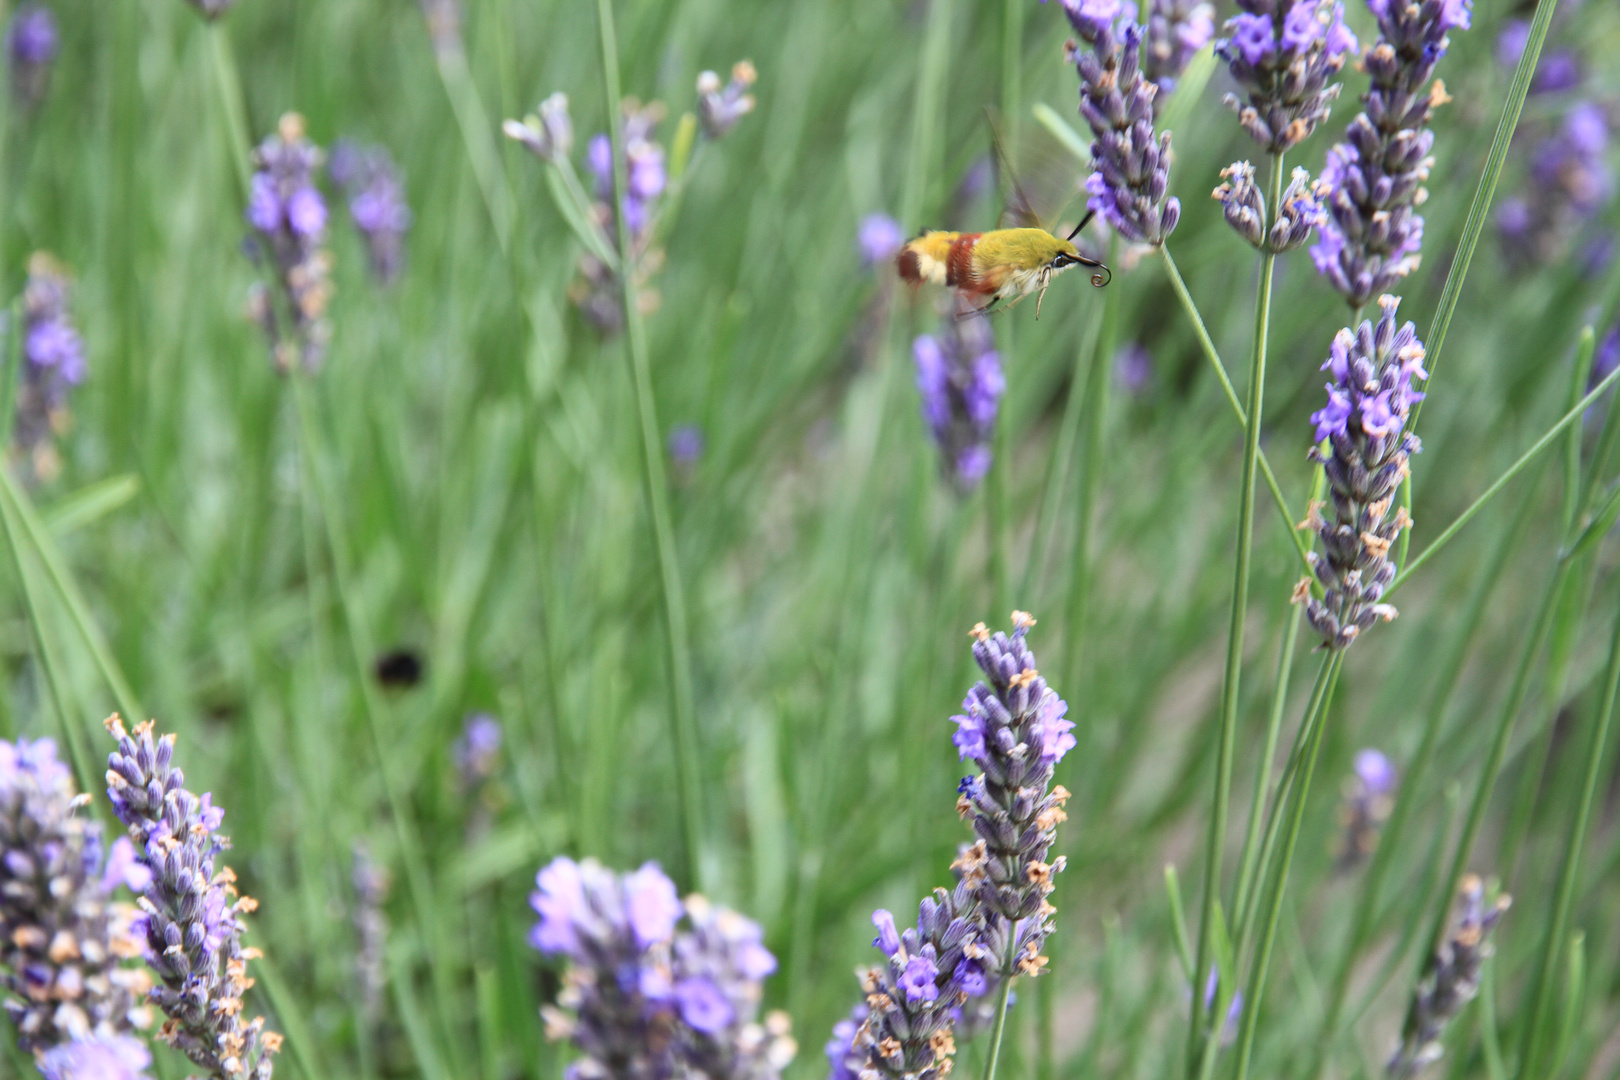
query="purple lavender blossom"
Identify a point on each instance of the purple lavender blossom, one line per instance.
(1372, 235)
(642, 998)
(1176, 29)
(685, 445)
(1556, 71)
(62, 938)
(720, 107)
(1234, 1011)
(32, 43)
(1133, 367)
(1130, 163)
(477, 752)
(376, 203)
(1570, 182)
(879, 239)
(288, 215)
(1450, 980)
(960, 381)
(1368, 799)
(97, 1057)
(1284, 55)
(191, 913)
(844, 1063)
(1366, 460)
(1244, 208)
(53, 364)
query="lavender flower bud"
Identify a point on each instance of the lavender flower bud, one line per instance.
(1364, 422)
(719, 108)
(192, 915)
(61, 935)
(288, 216)
(376, 203)
(97, 1057)
(596, 290)
(1130, 163)
(960, 381)
(547, 134)
(1301, 212)
(1176, 29)
(1369, 796)
(1450, 980)
(1374, 179)
(1284, 54)
(879, 239)
(53, 364)
(1242, 203)
(32, 43)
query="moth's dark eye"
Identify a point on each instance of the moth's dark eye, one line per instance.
(1063, 259)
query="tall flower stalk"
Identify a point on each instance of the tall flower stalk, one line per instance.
(191, 914)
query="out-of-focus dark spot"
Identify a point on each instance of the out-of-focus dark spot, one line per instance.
(400, 669)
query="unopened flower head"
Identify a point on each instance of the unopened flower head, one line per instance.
(1014, 728)
(32, 43)
(1450, 980)
(1130, 163)
(721, 106)
(62, 936)
(376, 199)
(53, 364)
(1364, 423)
(97, 1057)
(1375, 177)
(1285, 55)
(960, 381)
(1176, 29)
(1369, 796)
(191, 915)
(1244, 207)
(547, 133)
(288, 215)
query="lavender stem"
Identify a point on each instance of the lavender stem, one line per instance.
(1000, 1029)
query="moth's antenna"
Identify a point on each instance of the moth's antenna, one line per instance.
(1083, 223)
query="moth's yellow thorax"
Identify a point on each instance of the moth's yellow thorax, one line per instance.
(1020, 249)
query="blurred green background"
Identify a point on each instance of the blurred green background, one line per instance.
(482, 453)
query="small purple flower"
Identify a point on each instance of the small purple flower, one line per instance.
(1375, 771)
(651, 905)
(306, 212)
(1511, 41)
(1570, 181)
(377, 207)
(32, 43)
(1051, 730)
(288, 214)
(560, 903)
(477, 751)
(888, 938)
(1133, 367)
(1368, 800)
(53, 363)
(968, 737)
(918, 979)
(960, 382)
(879, 238)
(1176, 29)
(686, 445)
(1284, 55)
(971, 978)
(702, 1005)
(843, 1060)
(97, 1057)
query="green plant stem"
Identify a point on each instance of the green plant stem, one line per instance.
(1093, 421)
(1000, 1027)
(1214, 845)
(1215, 362)
(657, 484)
(1261, 964)
(1500, 482)
(1012, 56)
(1467, 623)
(229, 86)
(1474, 226)
(1531, 1052)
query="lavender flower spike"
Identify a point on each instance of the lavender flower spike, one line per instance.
(1284, 54)
(548, 133)
(288, 213)
(1176, 29)
(97, 1057)
(1375, 177)
(719, 108)
(1450, 981)
(53, 364)
(192, 914)
(1367, 458)
(376, 203)
(1369, 796)
(960, 381)
(1013, 727)
(1131, 166)
(32, 43)
(1245, 209)
(61, 935)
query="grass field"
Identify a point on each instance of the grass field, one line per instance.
(231, 550)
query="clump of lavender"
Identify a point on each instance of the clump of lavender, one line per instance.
(1244, 207)
(377, 206)
(61, 935)
(1130, 164)
(371, 883)
(1369, 796)
(720, 107)
(1569, 184)
(97, 1057)
(191, 914)
(1366, 459)
(1284, 55)
(1013, 727)
(641, 1001)
(1450, 980)
(879, 239)
(1176, 29)
(32, 42)
(1374, 178)
(960, 380)
(288, 216)
(53, 364)
(1556, 70)
(477, 751)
